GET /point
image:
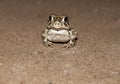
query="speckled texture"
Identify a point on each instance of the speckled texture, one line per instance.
(95, 59)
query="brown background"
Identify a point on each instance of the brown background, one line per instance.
(95, 59)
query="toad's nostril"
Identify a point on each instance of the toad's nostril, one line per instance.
(57, 23)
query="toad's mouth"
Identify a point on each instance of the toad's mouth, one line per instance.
(58, 32)
(59, 29)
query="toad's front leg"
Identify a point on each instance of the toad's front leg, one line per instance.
(46, 42)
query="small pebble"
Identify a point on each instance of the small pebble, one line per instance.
(114, 73)
(37, 52)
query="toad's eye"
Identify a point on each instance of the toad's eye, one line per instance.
(51, 17)
(65, 19)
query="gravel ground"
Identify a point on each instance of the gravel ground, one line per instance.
(95, 59)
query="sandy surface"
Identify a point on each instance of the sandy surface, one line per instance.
(94, 60)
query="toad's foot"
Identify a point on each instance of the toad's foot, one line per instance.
(48, 43)
(69, 45)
